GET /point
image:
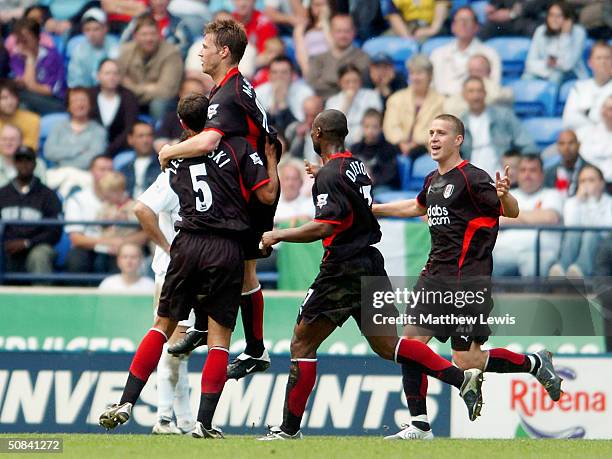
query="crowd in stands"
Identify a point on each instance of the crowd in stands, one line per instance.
(89, 91)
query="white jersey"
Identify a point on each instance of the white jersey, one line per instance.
(162, 200)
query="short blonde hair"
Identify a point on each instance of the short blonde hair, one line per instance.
(292, 162)
(419, 62)
(112, 181)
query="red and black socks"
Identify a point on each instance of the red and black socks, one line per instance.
(302, 377)
(251, 310)
(414, 381)
(214, 375)
(504, 361)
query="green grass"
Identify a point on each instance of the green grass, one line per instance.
(131, 446)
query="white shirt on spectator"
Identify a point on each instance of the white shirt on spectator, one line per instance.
(596, 147)
(363, 100)
(84, 205)
(163, 201)
(450, 65)
(108, 108)
(300, 207)
(483, 154)
(115, 283)
(583, 105)
(589, 212)
(524, 240)
(140, 169)
(297, 93)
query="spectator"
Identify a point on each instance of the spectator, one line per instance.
(129, 279)
(193, 13)
(511, 159)
(113, 106)
(451, 60)
(415, 19)
(171, 28)
(556, 48)
(11, 10)
(353, 100)
(116, 205)
(151, 68)
(10, 143)
(379, 156)
(590, 207)
(596, 141)
(293, 207)
(313, 36)
(274, 47)
(410, 111)
(596, 17)
(121, 12)
(490, 130)
(514, 251)
(142, 171)
(478, 66)
(322, 71)
(298, 133)
(37, 70)
(283, 96)
(10, 113)
(76, 141)
(367, 16)
(40, 15)
(87, 56)
(5, 67)
(583, 106)
(564, 176)
(29, 248)
(171, 130)
(285, 14)
(383, 77)
(513, 17)
(258, 27)
(90, 251)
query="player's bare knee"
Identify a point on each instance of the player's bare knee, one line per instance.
(468, 359)
(165, 325)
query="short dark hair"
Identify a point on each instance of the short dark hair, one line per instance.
(192, 110)
(138, 123)
(76, 90)
(145, 19)
(466, 8)
(96, 158)
(105, 60)
(10, 86)
(373, 113)
(333, 124)
(512, 153)
(533, 157)
(27, 24)
(473, 78)
(456, 122)
(283, 58)
(348, 68)
(230, 33)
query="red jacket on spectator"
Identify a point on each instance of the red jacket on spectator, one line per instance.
(259, 29)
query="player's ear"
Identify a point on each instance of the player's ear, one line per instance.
(224, 51)
(459, 140)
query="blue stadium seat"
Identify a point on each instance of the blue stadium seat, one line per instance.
(289, 48)
(122, 158)
(563, 93)
(534, 98)
(459, 4)
(60, 43)
(400, 49)
(46, 124)
(433, 43)
(61, 249)
(544, 131)
(73, 43)
(512, 52)
(480, 10)
(421, 166)
(404, 167)
(390, 196)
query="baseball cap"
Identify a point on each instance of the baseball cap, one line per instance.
(24, 152)
(381, 58)
(94, 14)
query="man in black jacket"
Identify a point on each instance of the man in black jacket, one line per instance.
(29, 248)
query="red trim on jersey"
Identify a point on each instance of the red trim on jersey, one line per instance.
(346, 154)
(462, 164)
(474, 225)
(245, 193)
(233, 71)
(253, 134)
(344, 224)
(331, 222)
(260, 184)
(215, 130)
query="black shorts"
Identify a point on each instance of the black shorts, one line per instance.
(205, 271)
(432, 289)
(336, 291)
(262, 220)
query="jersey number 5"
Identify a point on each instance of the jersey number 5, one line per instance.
(203, 195)
(366, 191)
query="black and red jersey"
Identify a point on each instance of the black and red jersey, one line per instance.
(214, 190)
(342, 195)
(463, 212)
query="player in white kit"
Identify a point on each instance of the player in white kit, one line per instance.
(157, 211)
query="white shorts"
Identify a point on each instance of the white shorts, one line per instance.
(159, 282)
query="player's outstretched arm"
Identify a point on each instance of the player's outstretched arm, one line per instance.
(267, 193)
(406, 209)
(150, 225)
(200, 144)
(509, 202)
(309, 232)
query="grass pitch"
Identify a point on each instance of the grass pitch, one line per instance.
(149, 446)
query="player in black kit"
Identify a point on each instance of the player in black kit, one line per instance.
(344, 220)
(206, 266)
(463, 205)
(235, 111)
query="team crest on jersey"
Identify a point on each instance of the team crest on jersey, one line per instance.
(256, 159)
(448, 190)
(322, 200)
(212, 110)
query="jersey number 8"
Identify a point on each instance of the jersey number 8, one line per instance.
(203, 195)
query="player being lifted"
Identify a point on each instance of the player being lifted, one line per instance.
(234, 111)
(344, 220)
(206, 266)
(461, 249)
